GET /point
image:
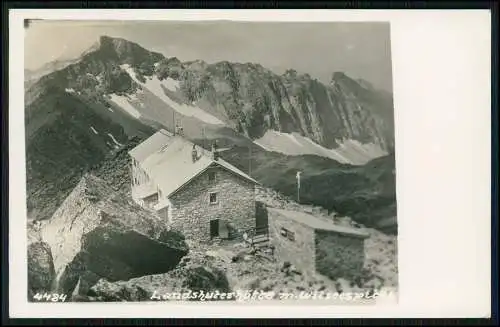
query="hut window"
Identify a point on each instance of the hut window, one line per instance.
(213, 198)
(288, 234)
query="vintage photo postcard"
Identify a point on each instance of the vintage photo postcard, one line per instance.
(206, 161)
(184, 161)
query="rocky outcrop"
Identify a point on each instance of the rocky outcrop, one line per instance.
(252, 99)
(41, 272)
(97, 233)
(187, 283)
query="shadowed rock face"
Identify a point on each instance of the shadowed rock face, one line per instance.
(99, 234)
(183, 280)
(141, 254)
(41, 273)
(252, 99)
(115, 256)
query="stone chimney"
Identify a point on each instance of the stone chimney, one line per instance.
(194, 153)
(215, 153)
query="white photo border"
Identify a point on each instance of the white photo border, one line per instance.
(441, 68)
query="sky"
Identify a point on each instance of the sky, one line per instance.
(361, 50)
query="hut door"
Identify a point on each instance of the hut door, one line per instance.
(214, 228)
(261, 218)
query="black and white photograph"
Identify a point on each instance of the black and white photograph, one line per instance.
(249, 164)
(209, 161)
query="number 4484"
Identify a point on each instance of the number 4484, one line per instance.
(50, 297)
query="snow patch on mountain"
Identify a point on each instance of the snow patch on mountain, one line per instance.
(123, 102)
(325, 152)
(171, 84)
(349, 152)
(155, 86)
(93, 130)
(359, 152)
(293, 139)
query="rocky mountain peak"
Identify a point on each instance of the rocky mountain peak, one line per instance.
(364, 83)
(122, 51)
(247, 97)
(290, 73)
(347, 84)
(342, 78)
(117, 43)
(196, 65)
(103, 39)
(337, 76)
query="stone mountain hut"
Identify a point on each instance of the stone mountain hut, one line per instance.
(315, 245)
(191, 188)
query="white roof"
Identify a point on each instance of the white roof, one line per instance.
(316, 223)
(144, 190)
(170, 163)
(150, 145)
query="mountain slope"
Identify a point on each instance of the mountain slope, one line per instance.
(33, 75)
(65, 136)
(365, 193)
(246, 98)
(252, 100)
(80, 113)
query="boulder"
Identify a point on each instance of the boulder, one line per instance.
(240, 256)
(97, 233)
(171, 286)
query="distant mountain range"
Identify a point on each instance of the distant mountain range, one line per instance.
(248, 98)
(79, 111)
